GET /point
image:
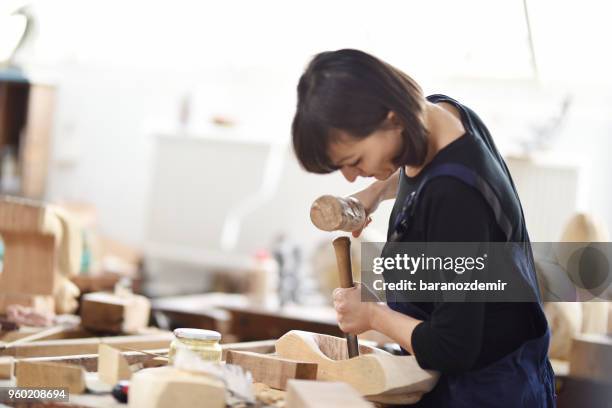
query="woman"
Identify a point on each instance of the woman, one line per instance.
(360, 115)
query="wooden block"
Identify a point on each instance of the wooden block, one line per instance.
(112, 365)
(323, 394)
(261, 346)
(50, 375)
(169, 387)
(53, 348)
(273, 371)
(591, 357)
(6, 367)
(110, 313)
(376, 374)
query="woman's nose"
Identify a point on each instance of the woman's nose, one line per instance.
(349, 173)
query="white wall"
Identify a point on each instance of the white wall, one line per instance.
(122, 67)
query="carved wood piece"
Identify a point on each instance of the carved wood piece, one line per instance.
(376, 374)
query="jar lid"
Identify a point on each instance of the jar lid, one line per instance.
(197, 334)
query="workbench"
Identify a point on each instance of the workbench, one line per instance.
(41, 351)
(77, 347)
(235, 315)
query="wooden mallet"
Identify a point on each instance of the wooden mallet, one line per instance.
(342, 247)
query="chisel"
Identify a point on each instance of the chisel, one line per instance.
(342, 247)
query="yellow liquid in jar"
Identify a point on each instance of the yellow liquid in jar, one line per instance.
(208, 350)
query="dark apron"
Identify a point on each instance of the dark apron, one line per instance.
(523, 378)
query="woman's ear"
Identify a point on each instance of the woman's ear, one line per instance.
(393, 119)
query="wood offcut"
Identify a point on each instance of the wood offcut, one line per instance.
(271, 370)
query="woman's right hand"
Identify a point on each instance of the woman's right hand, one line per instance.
(370, 200)
(373, 195)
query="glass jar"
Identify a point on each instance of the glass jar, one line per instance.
(204, 343)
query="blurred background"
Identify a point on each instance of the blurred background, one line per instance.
(154, 137)
(165, 126)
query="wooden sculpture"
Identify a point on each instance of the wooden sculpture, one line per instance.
(375, 374)
(568, 320)
(42, 250)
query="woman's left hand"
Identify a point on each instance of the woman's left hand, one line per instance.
(354, 316)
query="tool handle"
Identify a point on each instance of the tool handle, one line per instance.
(342, 247)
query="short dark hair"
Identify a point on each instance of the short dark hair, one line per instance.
(352, 91)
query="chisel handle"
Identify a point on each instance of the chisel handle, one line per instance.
(342, 247)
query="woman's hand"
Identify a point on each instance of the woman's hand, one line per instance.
(372, 196)
(354, 316)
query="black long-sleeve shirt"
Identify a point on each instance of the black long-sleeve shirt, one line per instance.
(458, 337)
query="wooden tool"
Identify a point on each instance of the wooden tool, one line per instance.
(375, 374)
(330, 213)
(273, 371)
(342, 247)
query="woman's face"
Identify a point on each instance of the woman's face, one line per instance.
(371, 156)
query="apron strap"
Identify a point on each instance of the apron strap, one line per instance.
(520, 251)
(467, 176)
